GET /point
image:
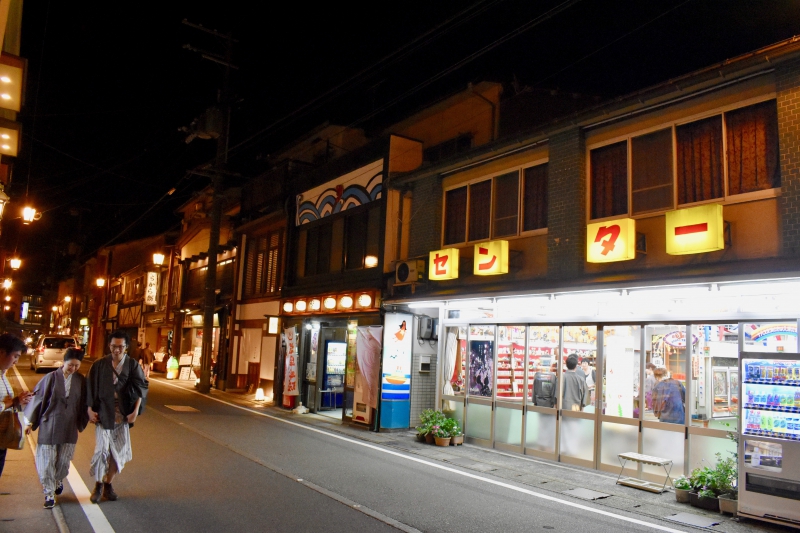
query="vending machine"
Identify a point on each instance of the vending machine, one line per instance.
(769, 437)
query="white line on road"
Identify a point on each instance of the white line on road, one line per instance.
(434, 465)
(97, 519)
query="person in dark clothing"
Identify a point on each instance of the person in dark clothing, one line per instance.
(574, 394)
(669, 397)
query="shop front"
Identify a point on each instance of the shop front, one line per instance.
(582, 376)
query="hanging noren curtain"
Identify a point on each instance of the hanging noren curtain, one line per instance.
(450, 350)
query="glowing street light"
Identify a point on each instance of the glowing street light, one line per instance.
(67, 299)
(101, 282)
(15, 263)
(158, 259)
(29, 214)
(7, 283)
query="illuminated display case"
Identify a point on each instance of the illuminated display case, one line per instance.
(769, 436)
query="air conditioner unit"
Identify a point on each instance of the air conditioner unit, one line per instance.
(406, 272)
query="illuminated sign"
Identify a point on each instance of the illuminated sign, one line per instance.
(695, 230)
(491, 258)
(610, 241)
(151, 290)
(24, 314)
(443, 264)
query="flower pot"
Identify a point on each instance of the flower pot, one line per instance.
(455, 441)
(442, 441)
(682, 495)
(728, 504)
(421, 437)
(429, 438)
(709, 504)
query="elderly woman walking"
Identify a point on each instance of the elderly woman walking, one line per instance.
(58, 412)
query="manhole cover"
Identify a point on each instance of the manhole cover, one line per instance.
(692, 520)
(182, 408)
(586, 494)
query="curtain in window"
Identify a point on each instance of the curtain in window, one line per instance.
(506, 205)
(480, 210)
(752, 135)
(609, 180)
(700, 160)
(651, 172)
(534, 199)
(455, 216)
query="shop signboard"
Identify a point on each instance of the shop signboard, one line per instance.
(151, 289)
(290, 374)
(695, 230)
(443, 264)
(611, 241)
(619, 376)
(491, 258)
(396, 373)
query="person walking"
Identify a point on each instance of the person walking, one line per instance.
(10, 349)
(574, 396)
(58, 412)
(146, 358)
(669, 397)
(114, 391)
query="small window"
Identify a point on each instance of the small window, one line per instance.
(506, 205)
(480, 204)
(534, 198)
(609, 179)
(752, 145)
(699, 148)
(455, 217)
(651, 172)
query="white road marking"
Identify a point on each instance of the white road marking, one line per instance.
(434, 465)
(97, 519)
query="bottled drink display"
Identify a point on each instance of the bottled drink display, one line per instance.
(771, 398)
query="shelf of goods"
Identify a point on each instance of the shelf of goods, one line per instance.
(769, 407)
(510, 371)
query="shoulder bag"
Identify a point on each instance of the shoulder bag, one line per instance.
(11, 435)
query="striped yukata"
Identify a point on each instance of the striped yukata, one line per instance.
(52, 465)
(112, 448)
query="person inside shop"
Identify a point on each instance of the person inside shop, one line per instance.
(574, 396)
(10, 349)
(649, 385)
(591, 379)
(669, 397)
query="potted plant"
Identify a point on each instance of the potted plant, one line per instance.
(428, 419)
(441, 435)
(703, 493)
(454, 431)
(727, 479)
(682, 489)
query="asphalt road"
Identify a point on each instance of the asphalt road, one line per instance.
(224, 468)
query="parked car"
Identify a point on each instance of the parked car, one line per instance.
(49, 351)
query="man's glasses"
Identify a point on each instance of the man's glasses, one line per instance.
(118, 346)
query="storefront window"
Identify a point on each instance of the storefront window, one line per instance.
(580, 343)
(666, 345)
(772, 337)
(510, 362)
(621, 377)
(542, 365)
(715, 376)
(481, 361)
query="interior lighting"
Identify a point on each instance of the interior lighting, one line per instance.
(330, 302)
(8, 298)
(671, 292)
(5, 96)
(67, 298)
(5, 79)
(101, 282)
(158, 258)
(300, 305)
(6, 147)
(15, 263)
(590, 296)
(5, 136)
(471, 304)
(346, 302)
(288, 307)
(54, 308)
(371, 261)
(424, 305)
(272, 325)
(315, 304)
(365, 300)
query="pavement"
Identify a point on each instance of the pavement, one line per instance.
(21, 497)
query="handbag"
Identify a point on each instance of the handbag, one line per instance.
(129, 393)
(11, 435)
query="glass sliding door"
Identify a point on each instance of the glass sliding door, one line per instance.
(577, 432)
(544, 344)
(480, 384)
(509, 387)
(454, 365)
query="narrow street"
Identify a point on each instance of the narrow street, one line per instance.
(205, 464)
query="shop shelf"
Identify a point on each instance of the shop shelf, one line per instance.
(778, 409)
(773, 434)
(784, 383)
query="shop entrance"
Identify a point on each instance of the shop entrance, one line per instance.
(583, 393)
(325, 384)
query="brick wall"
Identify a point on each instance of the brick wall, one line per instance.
(566, 205)
(788, 88)
(426, 217)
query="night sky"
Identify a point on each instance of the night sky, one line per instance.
(109, 85)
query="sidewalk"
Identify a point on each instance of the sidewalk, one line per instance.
(542, 475)
(21, 496)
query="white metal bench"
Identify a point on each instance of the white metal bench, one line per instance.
(647, 460)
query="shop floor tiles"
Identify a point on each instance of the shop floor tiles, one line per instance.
(586, 494)
(692, 520)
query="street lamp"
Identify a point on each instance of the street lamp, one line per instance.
(15, 263)
(68, 298)
(7, 283)
(101, 282)
(29, 214)
(158, 258)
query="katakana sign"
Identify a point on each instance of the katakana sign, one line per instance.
(613, 240)
(695, 230)
(491, 258)
(443, 264)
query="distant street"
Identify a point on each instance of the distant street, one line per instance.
(226, 468)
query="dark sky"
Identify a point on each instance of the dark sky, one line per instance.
(109, 84)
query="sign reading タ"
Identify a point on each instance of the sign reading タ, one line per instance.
(610, 241)
(695, 230)
(443, 264)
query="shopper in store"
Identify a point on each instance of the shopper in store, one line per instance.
(649, 385)
(574, 397)
(669, 397)
(591, 380)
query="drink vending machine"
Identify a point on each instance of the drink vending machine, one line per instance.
(769, 437)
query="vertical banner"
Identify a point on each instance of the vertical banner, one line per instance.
(290, 372)
(619, 376)
(368, 353)
(151, 289)
(396, 377)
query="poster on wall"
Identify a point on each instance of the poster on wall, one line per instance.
(481, 368)
(396, 378)
(290, 373)
(368, 352)
(619, 376)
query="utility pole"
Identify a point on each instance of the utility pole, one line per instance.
(224, 109)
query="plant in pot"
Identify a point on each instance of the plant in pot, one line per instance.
(454, 430)
(427, 419)
(441, 435)
(682, 489)
(727, 477)
(704, 489)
